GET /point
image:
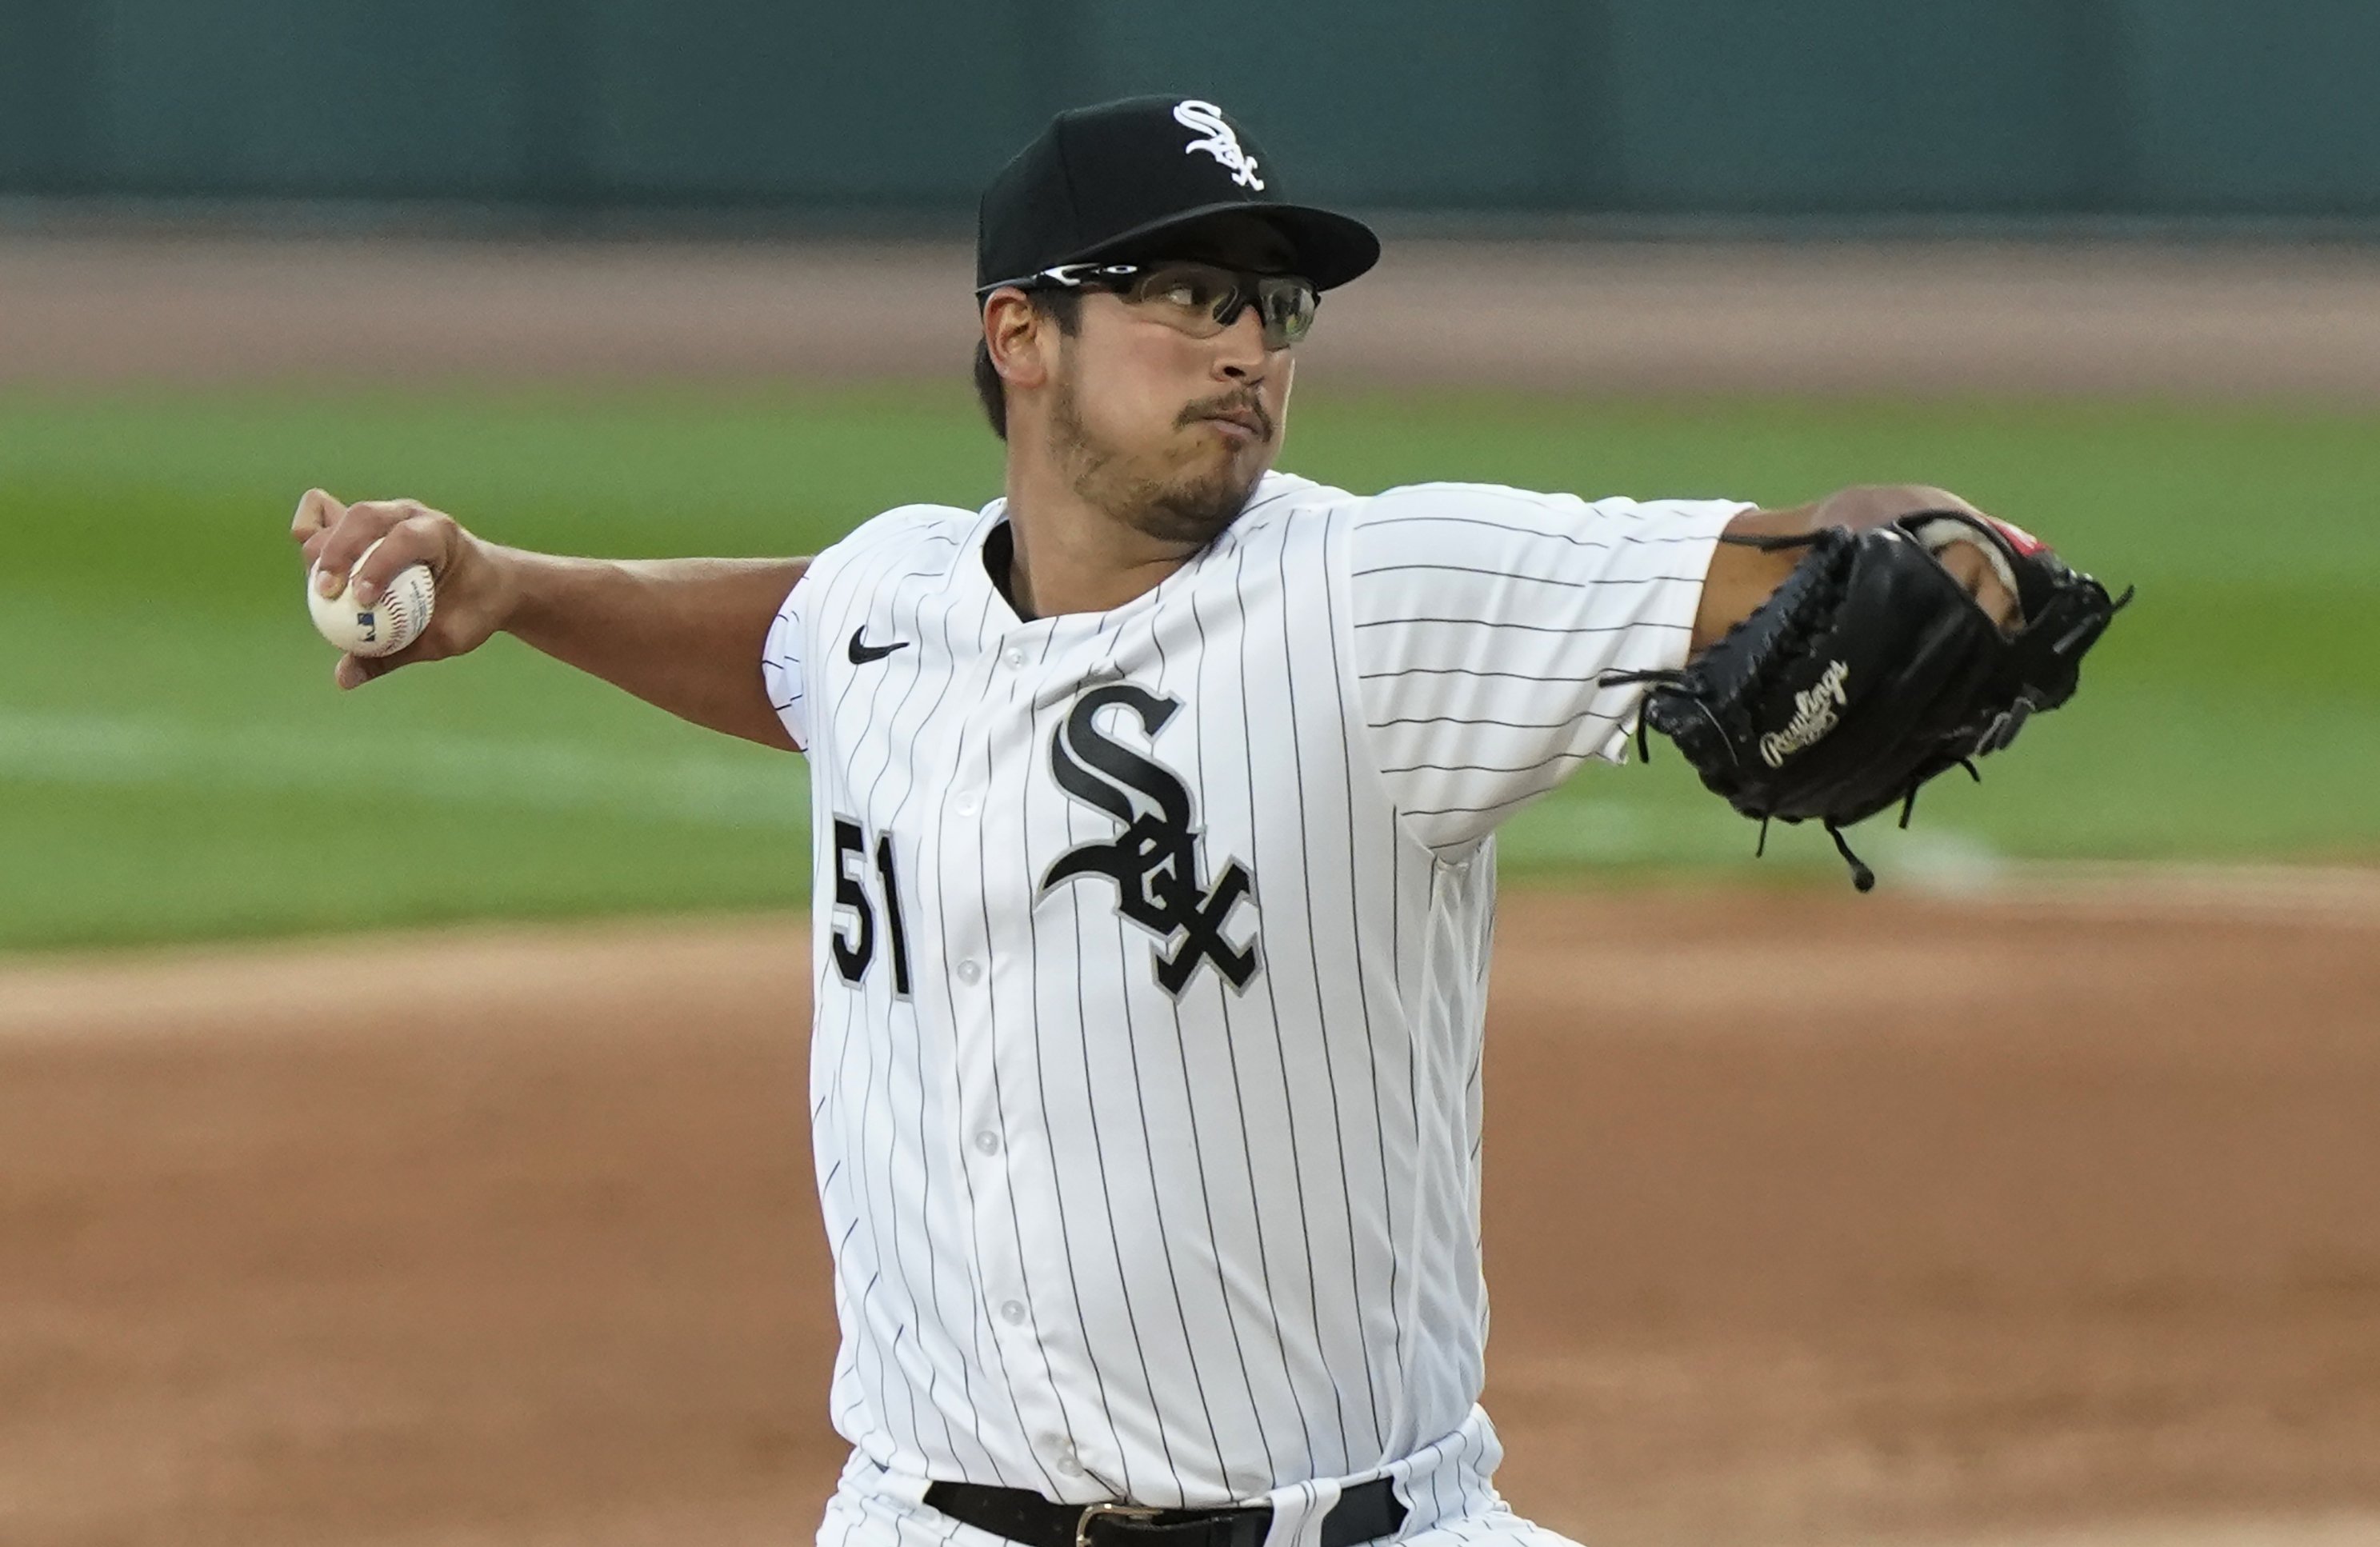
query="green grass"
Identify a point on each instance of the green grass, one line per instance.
(174, 764)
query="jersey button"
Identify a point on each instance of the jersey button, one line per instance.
(988, 1142)
(1013, 1313)
(965, 805)
(1014, 656)
(970, 971)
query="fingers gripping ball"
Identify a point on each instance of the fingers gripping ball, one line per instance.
(388, 625)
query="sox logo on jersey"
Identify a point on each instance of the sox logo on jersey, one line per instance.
(1155, 860)
(1141, 1185)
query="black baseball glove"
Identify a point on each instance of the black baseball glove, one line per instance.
(1871, 668)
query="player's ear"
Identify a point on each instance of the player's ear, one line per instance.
(1018, 337)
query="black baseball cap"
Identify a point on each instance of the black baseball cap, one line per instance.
(1111, 182)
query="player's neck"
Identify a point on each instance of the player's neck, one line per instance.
(1067, 555)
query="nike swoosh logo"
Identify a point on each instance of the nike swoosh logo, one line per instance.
(862, 654)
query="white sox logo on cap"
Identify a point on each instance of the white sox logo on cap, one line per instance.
(1220, 142)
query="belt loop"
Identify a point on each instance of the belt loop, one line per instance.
(1298, 1513)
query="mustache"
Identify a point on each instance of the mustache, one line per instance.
(1231, 403)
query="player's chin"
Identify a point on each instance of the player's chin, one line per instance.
(1197, 505)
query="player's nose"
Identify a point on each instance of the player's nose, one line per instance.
(1239, 353)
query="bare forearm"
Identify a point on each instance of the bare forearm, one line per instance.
(1741, 578)
(684, 635)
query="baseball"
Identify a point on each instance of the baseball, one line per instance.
(388, 625)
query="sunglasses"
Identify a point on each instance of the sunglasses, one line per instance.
(1201, 299)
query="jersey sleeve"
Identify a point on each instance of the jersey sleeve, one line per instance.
(781, 671)
(1482, 618)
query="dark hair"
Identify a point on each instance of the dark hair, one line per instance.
(1062, 306)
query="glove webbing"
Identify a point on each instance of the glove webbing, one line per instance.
(1863, 875)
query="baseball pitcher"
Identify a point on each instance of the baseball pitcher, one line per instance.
(1155, 809)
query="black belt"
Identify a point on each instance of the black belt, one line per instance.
(1365, 1512)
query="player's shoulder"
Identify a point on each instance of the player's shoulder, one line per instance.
(1487, 500)
(1294, 489)
(1454, 522)
(905, 537)
(1278, 496)
(912, 539)
(1301, 515)
(907, 525)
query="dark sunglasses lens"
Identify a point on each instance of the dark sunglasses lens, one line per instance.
(1284, 304)
(1287, 308)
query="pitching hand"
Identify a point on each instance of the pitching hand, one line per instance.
(473, 589)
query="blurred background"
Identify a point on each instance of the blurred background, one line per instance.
(2047, 1201)
(830, 116)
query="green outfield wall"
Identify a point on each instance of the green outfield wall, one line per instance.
(1747, 108)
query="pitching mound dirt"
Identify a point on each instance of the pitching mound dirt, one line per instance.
(1810, 1219)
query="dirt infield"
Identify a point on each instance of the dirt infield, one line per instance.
(1810, 1219)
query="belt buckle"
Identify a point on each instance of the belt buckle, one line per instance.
(1110, 1509)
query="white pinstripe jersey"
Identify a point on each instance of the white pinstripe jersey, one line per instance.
(1151, 960)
